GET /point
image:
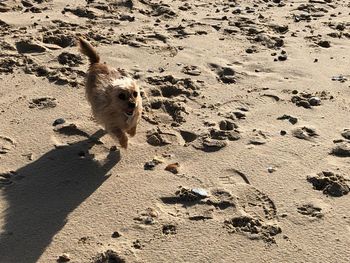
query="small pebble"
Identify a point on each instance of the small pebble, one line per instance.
(340, 78)
(315, 101)
(227, 125)
(239, 115)
(271, 169)
(169, 229)
(58, 121)
(324, 44)
(282, 57)
(116, 234)
(304, 103)
(346, 134)
(293, 120)
(63, 258)
(173, 168)
(149, 165)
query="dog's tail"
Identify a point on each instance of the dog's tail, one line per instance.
(88, 50)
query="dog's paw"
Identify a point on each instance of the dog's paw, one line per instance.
(123, 143)
(132, 131)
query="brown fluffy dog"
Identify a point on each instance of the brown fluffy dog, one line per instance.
(114, 97)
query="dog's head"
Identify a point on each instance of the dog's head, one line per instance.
(127, 95)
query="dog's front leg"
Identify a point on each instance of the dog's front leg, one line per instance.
(123, 139)
(132, 131)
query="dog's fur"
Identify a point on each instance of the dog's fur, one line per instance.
(114, 97)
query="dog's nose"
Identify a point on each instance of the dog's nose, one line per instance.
(132, 105)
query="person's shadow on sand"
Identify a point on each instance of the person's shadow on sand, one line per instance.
(39, 203)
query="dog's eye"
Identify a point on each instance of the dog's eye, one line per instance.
(135, 94)
(122, 96)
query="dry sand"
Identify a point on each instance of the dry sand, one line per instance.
(242, 155)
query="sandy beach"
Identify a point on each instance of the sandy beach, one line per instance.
(242, 153)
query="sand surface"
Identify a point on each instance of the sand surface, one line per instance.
(242, 154)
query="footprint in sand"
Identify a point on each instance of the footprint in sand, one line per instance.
(226, 75)
(305, 133)
(308, 100)
(163, 136)
(147, 217)
(258, 137)
(256, 215)
(43, 103)
(6, 145)
(169, 95)
(59, 37)
(330, 183)
(216, 139)
(70, 59)
(191, 70)
(107, 257)
(310, 210)
(240, 206)
(251, 199)
(196, 204)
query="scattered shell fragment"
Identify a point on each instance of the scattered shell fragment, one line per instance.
(200, 192)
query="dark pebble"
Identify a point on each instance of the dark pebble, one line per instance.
(58, 121)
(304, 103)
(227, 125)
(63, 258)
(315, 101)
(149, 165)
(116, 234)
(239, 115)
(282, 57)
(188, 136)
(346, 134)
(324, 43)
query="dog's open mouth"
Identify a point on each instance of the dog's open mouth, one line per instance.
(129, 112)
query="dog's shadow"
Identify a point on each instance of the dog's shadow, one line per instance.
(40, 196)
